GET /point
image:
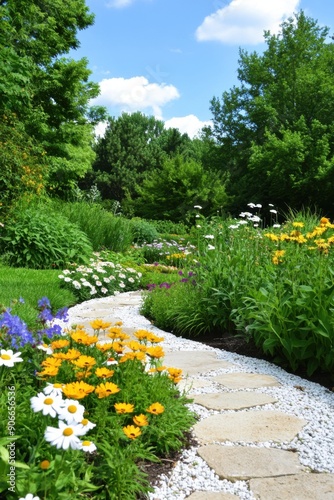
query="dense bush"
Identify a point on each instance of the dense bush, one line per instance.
(42, 239)
(143, 231)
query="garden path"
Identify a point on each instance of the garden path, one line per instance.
(242, 434)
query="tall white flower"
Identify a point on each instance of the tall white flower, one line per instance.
(8, 358)
(71, 411)
(48, 404)
(84, 426)
(53, 389)
(88, 446)
(65, 436)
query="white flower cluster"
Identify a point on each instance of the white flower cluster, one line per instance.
(70, 413)
(100, 279)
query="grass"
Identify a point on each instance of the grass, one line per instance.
(32, 285)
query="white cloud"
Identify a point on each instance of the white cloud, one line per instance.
(135, 94)
(243, 21)
(119, 4)
(189, 124)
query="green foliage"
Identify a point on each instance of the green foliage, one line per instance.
(168, 227)
(22, 163)
(103, 229)
(42, 239)
(274, 131)
(172, 191)
(128, 149)
(276, 287)
(143, 231)
(48, 93)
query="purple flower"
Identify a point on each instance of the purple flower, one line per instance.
(45, 315)
(16, 329)
(164, 285)
(184, 280)
(180, 273)
(44, 303)
(62, 314)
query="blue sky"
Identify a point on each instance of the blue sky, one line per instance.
(169, 58)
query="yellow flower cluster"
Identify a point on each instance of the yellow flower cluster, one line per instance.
(315, 238)
(77, 363)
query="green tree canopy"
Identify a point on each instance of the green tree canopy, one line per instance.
(172, 191)
(128, 150)
(275, 130)
(48, 93)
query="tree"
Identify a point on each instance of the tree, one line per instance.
(275, 130)
(48, 93)
(173, 191)
(128, 150)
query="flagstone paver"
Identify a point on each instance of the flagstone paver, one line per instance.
(246, 380)
(233, 400)
(299, 487)
(251, 426)
(211, 495)
(242, 463)
(195, 362)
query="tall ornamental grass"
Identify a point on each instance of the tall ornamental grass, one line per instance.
(103, 228)
(274, 285)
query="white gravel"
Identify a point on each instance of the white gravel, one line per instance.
(295, 396)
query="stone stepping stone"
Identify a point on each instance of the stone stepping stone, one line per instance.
(187, 385)
(211, 495)
(306, 486)
(240, 463)
(248, 426)
(233, 400)
(195, 362)
(246, 380)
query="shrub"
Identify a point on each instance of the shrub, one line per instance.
(169, 227)
(42, 239)
(143, 231)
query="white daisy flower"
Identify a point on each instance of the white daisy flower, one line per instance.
(198, 206)
(48, 404)
(71, 411)
(30, 496)
(209, 236)
(88, 446)
(104, 290)
(53, 389)
(44, 347)
(67, 279)
(211, 247)
(84, 426)
(98, 283)
(121, 275)
(8, 358)
(121, 284)
(65, 436)
(131, 280)
(276, 225)
(106, 280)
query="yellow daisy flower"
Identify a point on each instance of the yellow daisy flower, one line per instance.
(131, 431)
(107, 389)
(156, 409)
(124, 407)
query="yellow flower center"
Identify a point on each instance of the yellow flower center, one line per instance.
(45, 464)
(86, 443)
(57, 386)
(5, 356)
(48, 401)
(72, 408)
(68, 431)
(84, 421)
